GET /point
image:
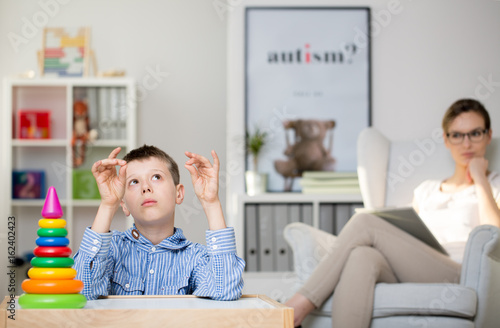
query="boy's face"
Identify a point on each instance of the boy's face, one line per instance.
(150, 193)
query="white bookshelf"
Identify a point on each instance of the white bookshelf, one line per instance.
(54, 156)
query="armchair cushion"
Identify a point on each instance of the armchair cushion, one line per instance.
(419, 321)
(426, 299)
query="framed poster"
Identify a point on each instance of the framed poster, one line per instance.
(307, 84)
(65, 52)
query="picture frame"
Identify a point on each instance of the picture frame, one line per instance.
(65, 52)
(307, 64)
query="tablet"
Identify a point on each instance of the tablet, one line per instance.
(406, 219)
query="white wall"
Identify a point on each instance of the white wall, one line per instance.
(425, 55)
(185, 40)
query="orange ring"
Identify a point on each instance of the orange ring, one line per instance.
(32, 286)
(52, 223)
(51, 273)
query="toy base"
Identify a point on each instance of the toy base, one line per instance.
(52, 301)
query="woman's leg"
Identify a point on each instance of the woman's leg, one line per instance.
(410, 259)
(352, 304)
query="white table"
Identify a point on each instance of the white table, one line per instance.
(157, 311)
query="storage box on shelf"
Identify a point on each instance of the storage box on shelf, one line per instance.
(111, 112)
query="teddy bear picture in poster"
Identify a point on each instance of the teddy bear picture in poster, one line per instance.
(307, 76)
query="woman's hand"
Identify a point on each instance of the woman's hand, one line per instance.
(205, 177)
(111, 185)
(477, 169)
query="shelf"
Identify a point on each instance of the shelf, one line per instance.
(77, 82)
(39, 142)
(86, 202)
(297, 197)
(54, 156)
(109, 143)
(64, 142)
(33, 202)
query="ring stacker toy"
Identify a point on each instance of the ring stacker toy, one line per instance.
(52, 284)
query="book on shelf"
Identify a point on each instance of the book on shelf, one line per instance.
(329, 175)
(33, 124)
(28, 184)
(322, 182)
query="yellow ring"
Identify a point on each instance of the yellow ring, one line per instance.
(52, 223)
(51, 273)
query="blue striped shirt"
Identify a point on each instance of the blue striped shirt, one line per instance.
(115, 263)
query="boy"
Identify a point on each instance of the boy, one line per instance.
(153, 257)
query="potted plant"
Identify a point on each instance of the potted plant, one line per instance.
(256, 182)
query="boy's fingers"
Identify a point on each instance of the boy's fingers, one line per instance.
(115, 152)
(113, 162)
(96, 166)
(193, 172)
(193, 158)
(123, 173)
(216, 159)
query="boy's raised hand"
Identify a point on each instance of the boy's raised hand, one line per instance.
(111, 185)
(205, 176)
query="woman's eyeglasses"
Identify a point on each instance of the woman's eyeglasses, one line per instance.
(457, 138)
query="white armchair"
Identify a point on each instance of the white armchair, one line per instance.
(388, 173)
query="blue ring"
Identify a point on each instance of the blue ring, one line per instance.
(52, 241)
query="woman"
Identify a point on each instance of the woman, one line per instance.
(370, 250)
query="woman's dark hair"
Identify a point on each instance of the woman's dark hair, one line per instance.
(464, 106)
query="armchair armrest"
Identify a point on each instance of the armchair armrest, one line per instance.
(309, 246)
(481, 271)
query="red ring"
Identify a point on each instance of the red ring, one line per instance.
(52, 251)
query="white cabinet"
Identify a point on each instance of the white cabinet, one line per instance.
(112, 112)
(260, 221)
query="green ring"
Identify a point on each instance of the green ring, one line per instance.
(52, 232)
(52, 301)
(52, 262)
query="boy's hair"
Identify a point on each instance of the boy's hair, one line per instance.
(463, 106)
(146, 152)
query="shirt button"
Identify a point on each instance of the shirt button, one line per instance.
(153, 249)
(127, 285)
(94, 249)
(214, 239)
(96, 241)
(151, 271)
(214, 247)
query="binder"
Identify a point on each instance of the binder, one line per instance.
(294, 214)
(266, 238)
(343, 214)
(251, 233)
(282, 250)
(327, 218)
(93, 108)
(103, 112)
(307, 214)
(114, 114)
(122, 113)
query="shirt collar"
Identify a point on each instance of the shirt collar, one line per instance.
(174, 242)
